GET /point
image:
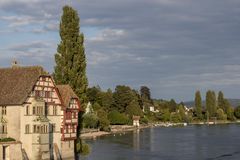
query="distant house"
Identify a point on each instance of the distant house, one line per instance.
(89, 108)
(36, 112)
(136, 121)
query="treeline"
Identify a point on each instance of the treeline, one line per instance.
(117, 107)
(216, 107)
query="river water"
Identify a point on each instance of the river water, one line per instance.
(196, 142)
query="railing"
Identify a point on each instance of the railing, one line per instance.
(57, 152)
(24, 154)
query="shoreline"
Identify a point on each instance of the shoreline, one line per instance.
(126, 128)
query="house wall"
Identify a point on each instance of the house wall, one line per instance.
(13, 121)
(13, 150)
(68, 150)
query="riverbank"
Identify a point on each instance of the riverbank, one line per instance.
(115, 129)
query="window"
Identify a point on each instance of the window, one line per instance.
(73, 129)
(66, 128)
(4, 129)
(53, 127)
(27, 129)
(34, 110)
(4, 110)
(27, 110)
(48, 94)
(37, 93)
(68, 115)
(54, 110)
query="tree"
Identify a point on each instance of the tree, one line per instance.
(122, 97)
(90, 120)
(92, 94)
(237, 112)
(198, 104)
(134, 109)
(103, 120)
(211, 103)
(172, 105)
(117, 118)
(70, 57)
(221, 100)
(221, 115)
(145, 93)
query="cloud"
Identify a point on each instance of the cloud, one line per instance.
(174, 47)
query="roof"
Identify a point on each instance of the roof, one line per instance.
(66, 93)
(16, 83)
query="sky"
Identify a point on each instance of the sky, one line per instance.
(174, 47)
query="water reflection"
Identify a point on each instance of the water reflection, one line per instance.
(136, 140)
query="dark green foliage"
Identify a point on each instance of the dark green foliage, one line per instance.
(117, 118)
(198, 104)
(93, 94)
(96, 106)
(134, 109)
(145, 93)
(70, 57)
(122, 97)
(103, 120)
(90, 121)
(9, 139)
(143, 120)
(182, 114)
(82, 147)
(237, 112)
(211, 103)
(172, 105)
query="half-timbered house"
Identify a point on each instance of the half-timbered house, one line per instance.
(36, 112)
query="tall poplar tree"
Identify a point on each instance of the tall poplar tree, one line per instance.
(198, 104)
(70, 57)
(221, 100)
(211, 103)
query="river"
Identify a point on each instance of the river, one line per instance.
(196, 142)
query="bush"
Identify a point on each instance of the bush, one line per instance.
(117, 118)
(83, 148)
(175, 117)
(90, 121)
(221, 115)
(103, 120)
(143, 120)
(237, 112)
(9, 139)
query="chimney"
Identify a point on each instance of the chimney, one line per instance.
(15, 64)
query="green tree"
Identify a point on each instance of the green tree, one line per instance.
(172, 105)
(93, 93)
(198, 104)
(117, 118)
(221, 100)
(103, 120)
(70, 57)
(211, 103)
(230, 113)
(134, 109)
(221, 115)
(237, 112)
(122, 97)
(90, 121)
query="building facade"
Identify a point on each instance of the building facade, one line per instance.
(38, 113)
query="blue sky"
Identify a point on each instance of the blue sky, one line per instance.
(174, 47)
